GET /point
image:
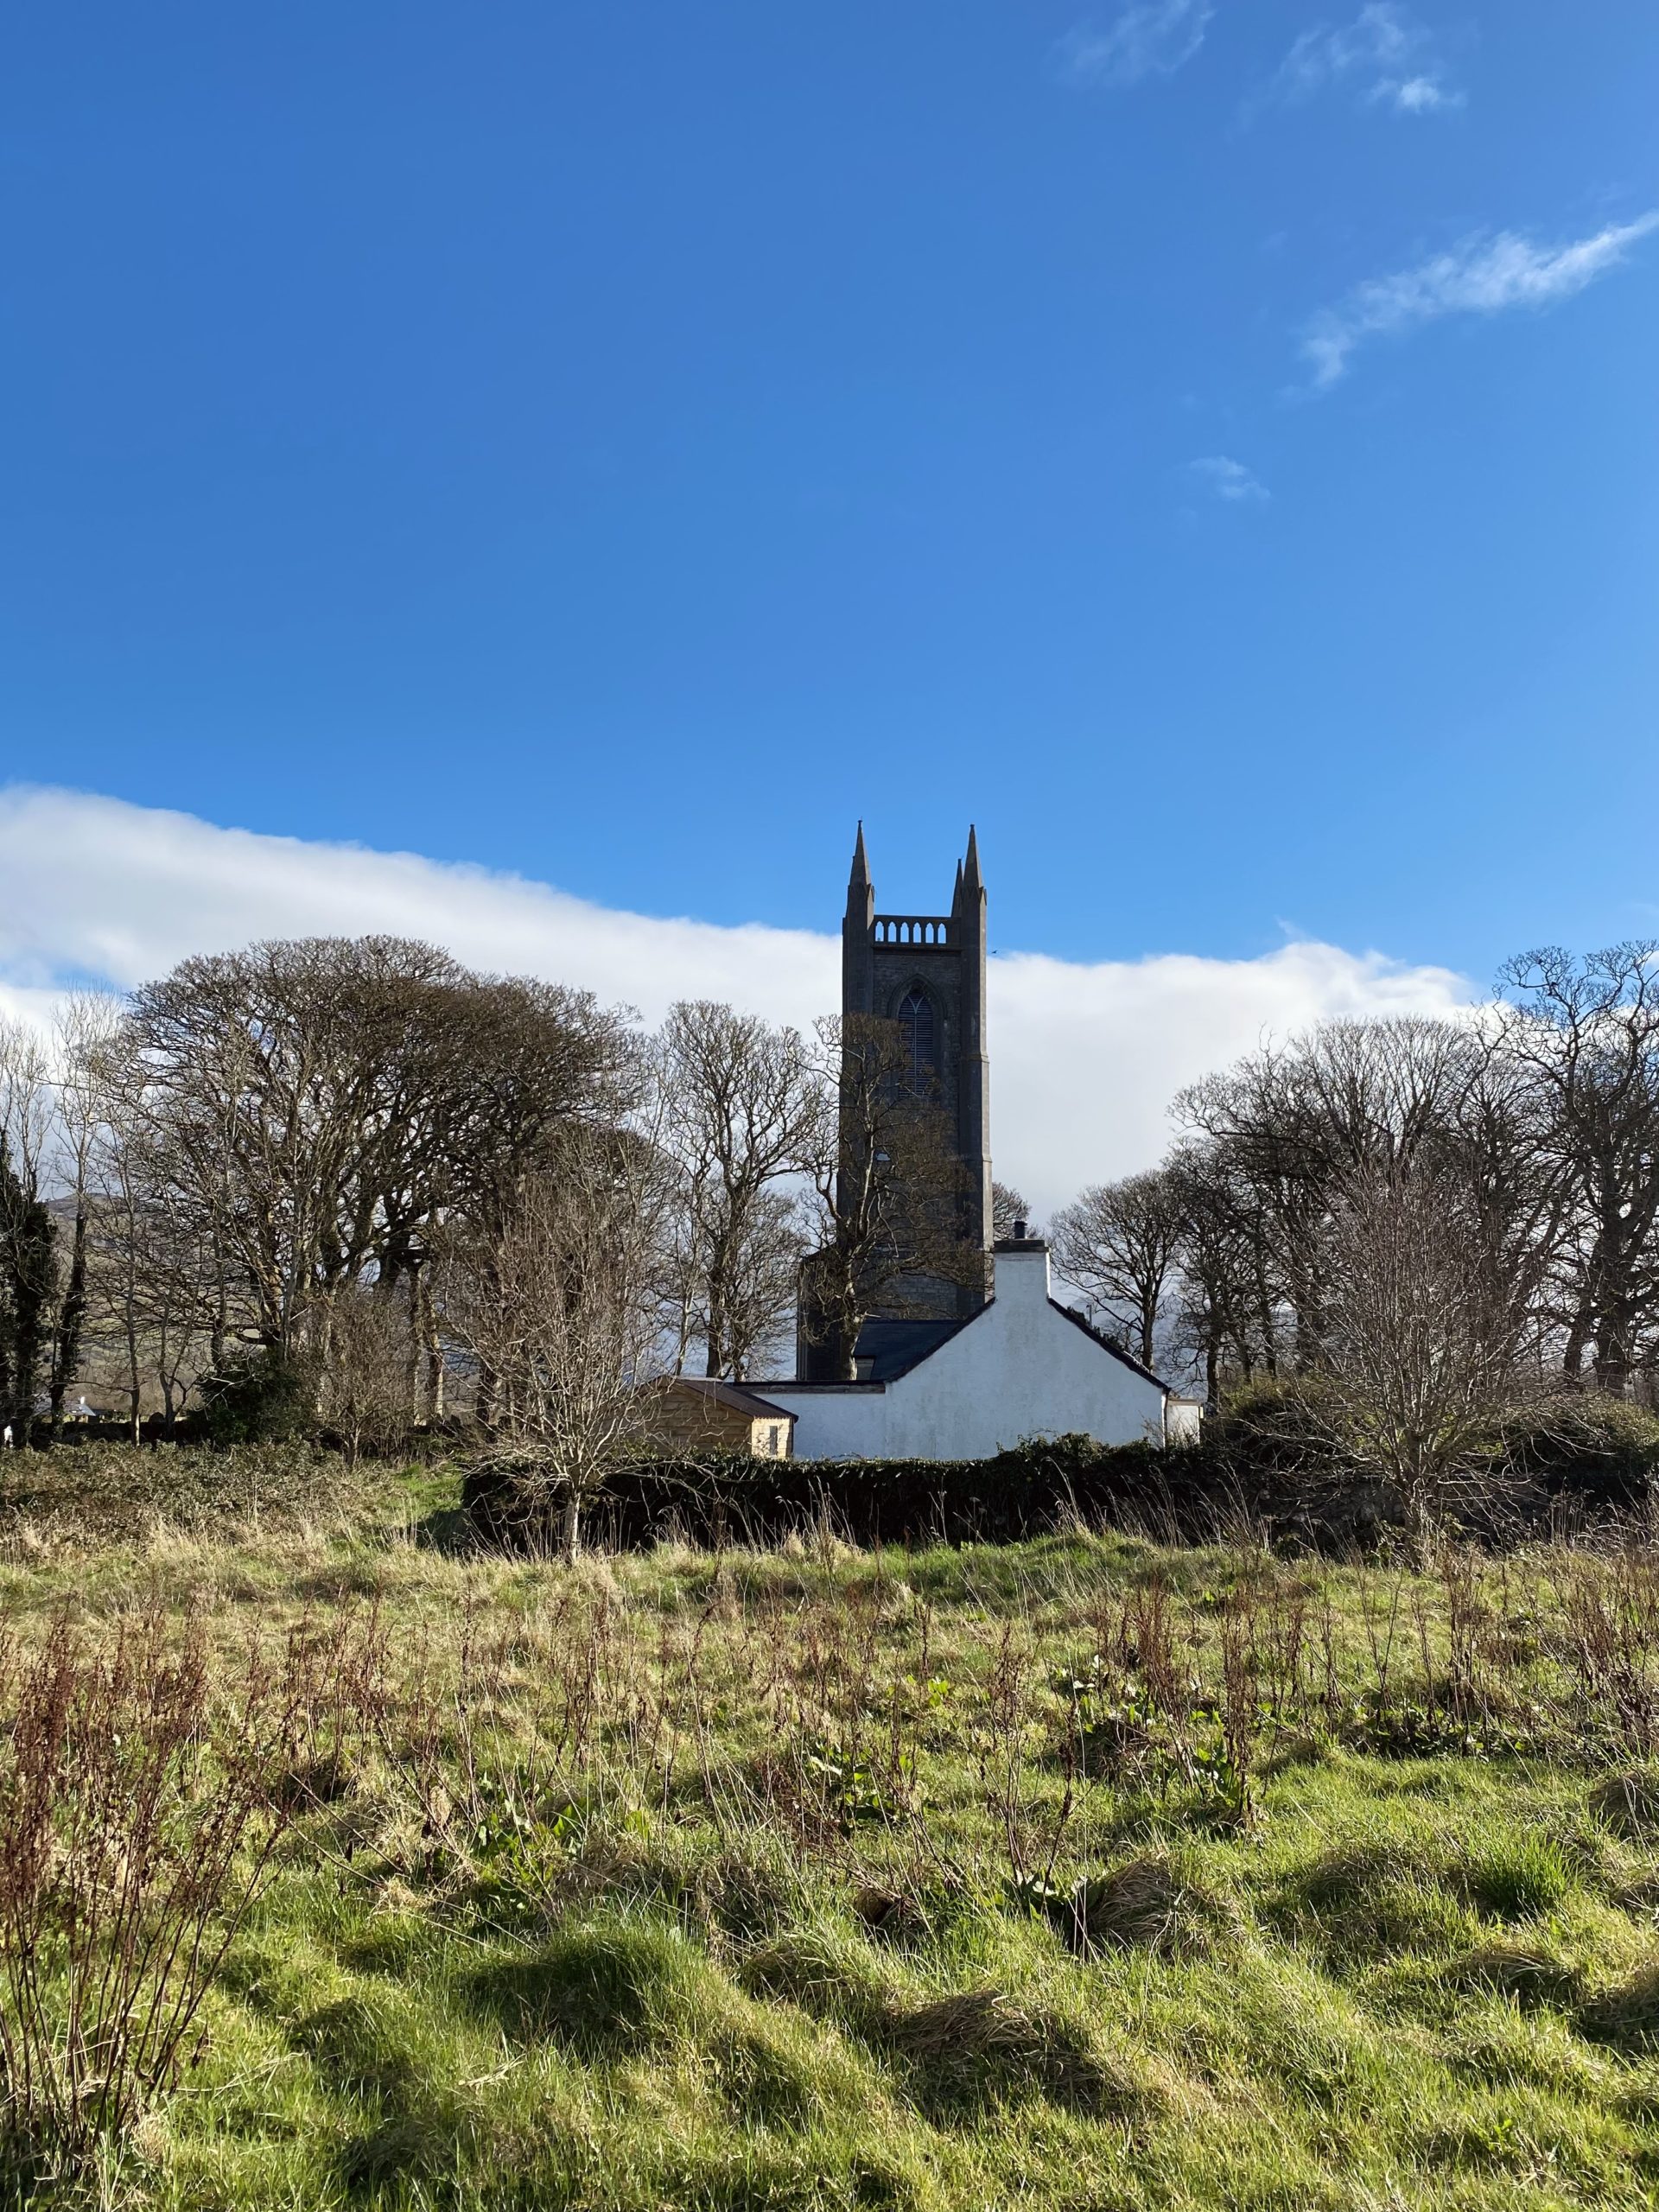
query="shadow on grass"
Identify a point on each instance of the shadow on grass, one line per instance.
(602, 1994)
(418, 2129)
(447, 1529)
(1625, 2017)
(952, 2057)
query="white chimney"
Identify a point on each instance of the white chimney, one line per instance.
(1022, 1269)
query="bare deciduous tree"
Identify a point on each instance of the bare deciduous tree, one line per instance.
(763, 1275)
(85, 1025)
(1419, 1343)
(1587, 1032)
(1278, 1139)
(366, 1399)
(1117, 1243)
(1008, 1210)
(28, 1267)
(556, 1305)
(308, 1112)
(740, 1111)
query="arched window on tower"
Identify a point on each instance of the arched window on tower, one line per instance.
(916, 1026)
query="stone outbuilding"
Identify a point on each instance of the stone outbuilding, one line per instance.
(695, 1413)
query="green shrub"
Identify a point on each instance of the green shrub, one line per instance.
(1581, 1448)
(1026, 1490)
(1275, 1430)
(260, 1398)
(1274, 1443)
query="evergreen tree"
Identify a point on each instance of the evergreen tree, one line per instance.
(28, 1280)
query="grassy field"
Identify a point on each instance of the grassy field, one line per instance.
(1079, 1873)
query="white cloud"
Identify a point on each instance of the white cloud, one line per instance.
(1228, 480)
(1385, 51)
(1484, 275)
(1421, 96)
(1152, 38)
(1085, 1056)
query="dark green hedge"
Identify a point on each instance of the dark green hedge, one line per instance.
(1178, 1495)
(1564, 1462)
(1587, 1451)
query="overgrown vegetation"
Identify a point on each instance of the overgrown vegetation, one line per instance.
(1074, 1872)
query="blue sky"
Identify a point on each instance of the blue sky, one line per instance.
(1212, 446)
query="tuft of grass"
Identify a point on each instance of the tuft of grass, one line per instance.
(1530, 1979)
(1517, 1877)
(1628, 1802)
(1145, 1905)
(601, 1991)
(1627, 2014)
(977, 2047)
(1373, 1900)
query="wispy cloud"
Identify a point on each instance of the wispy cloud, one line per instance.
(1484, 275)
(1228, 480)
(1386, 53)
(1088, 1053)
(1151, 38)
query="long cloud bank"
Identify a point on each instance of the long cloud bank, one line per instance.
(1086, 1057)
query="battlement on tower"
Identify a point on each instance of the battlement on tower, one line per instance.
(925, 931)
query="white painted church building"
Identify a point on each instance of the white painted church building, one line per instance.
(1023, 1366)
(965, 1374)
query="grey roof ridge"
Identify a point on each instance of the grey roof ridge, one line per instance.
(955, 1329)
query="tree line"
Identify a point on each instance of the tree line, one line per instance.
(355, 1176)
(1416, 1219)
(357, 1173)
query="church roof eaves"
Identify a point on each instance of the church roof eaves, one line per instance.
(816, 1387)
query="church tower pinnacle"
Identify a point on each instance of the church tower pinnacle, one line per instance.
(858, 936)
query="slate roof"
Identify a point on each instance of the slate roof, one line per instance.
(731, 1394)
(893, 1345)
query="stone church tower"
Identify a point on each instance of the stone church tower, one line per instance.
(926, 972)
